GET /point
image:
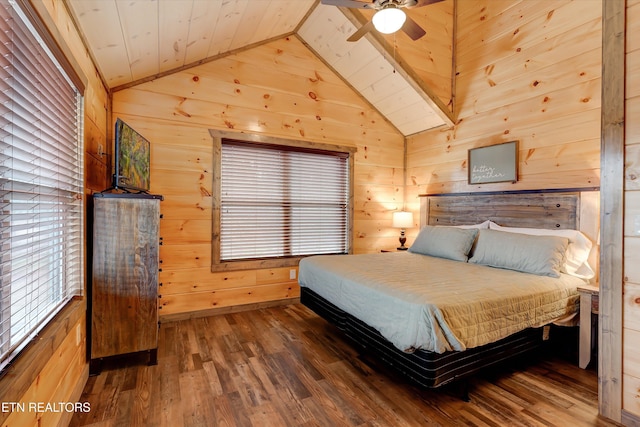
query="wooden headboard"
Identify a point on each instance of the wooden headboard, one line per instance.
(577, 209)
(536, 209)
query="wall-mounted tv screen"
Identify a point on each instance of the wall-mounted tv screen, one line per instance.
(132, 159)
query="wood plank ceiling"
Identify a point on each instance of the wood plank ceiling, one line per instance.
(133, 41)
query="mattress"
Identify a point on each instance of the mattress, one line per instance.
(425, 368)
(420, 302)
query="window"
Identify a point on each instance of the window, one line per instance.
(41, 184)
(276, 203)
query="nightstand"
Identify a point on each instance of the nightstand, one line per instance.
(589, 304)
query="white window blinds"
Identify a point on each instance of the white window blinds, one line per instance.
(41, 184)
(281, 201)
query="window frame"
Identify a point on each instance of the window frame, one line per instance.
(13, 352)
(252, 264)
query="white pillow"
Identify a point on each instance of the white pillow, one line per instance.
(481, 226)
(577, 256)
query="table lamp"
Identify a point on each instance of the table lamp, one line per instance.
(402, 220)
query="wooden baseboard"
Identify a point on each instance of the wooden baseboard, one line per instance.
(226, 310)
(16, 378)
(629, 419)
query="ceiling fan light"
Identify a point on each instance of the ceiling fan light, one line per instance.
(389, 19)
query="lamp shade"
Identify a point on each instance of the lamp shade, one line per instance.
(389, 19)
(402, 219)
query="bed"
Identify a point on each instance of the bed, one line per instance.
(486, 276)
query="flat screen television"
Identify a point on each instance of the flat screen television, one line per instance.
(132, 159)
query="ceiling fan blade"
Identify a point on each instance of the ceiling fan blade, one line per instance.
(412, 29)
(348, 3)
(361, 32)
(410, 4)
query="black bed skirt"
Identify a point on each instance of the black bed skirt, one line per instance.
(424, 368)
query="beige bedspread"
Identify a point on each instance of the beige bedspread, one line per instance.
(416, 301)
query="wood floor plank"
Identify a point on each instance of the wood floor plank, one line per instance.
(286, 367)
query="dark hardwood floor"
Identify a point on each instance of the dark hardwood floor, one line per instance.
(285, 366)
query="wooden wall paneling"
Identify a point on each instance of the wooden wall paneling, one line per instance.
(490, 19)
(376, 154)
(500, 126)
(611, 249)
(36, 375)
(548, 82)
(632, 306)
(186, 207)
(517, 29)
(631, 378)
(301, 125)
(188, 255)
(95, 105)
(176, 158)
(373, 174)
(632, 128)
(250, 286)
(294, 60)
(94, 140)
(549, 120)
(186, 231)
(630, 388)
(430, 56)
(572, 156)
(537, 107)
(633, 25)
(375, 197)
(538, 153)
(376, 210)
(276, 275)
(56, 382)
(179, 182)
(559, 179)
(534, 58)
(257, 98)
(631, 211)
(96, 174)
(291, 95)
(206, 302)
(188, 136)
(183, 281)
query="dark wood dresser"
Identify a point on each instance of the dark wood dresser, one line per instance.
(124, 279)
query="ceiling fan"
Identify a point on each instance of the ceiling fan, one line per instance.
(389, 17)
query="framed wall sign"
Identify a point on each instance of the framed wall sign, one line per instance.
(495, 163)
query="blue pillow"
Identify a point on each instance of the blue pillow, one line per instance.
(541, 255)
(445, 242)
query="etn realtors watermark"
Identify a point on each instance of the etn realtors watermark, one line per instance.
(42, 407)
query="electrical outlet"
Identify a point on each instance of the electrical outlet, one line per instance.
(78, 335)
(100, 150)
(292, 274)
